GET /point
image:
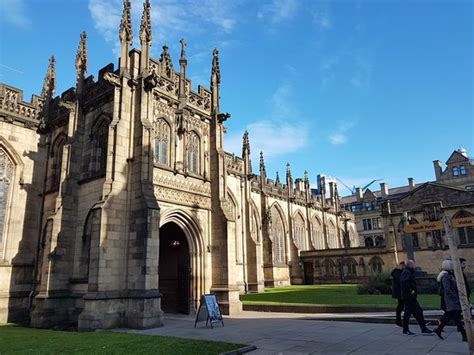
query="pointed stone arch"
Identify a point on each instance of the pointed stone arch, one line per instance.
(195, 239)
(278, 234)
(299, 230)
(11, 176)
(317, 233)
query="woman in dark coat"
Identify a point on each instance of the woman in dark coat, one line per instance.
(451, 301)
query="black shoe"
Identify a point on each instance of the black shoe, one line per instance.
(427, 332)
(408, 333)
(438, 331)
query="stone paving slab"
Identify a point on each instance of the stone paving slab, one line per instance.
(285, 334)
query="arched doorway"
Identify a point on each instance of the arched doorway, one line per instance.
(174, 269)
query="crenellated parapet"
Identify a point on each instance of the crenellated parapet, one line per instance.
(14, 110)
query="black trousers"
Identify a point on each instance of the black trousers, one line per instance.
(456, 316)
(398, 315)
(412, 307)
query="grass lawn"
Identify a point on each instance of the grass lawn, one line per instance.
(20, 340)
(330, 295)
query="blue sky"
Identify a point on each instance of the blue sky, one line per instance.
(360, 90)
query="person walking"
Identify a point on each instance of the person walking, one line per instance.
(451, 300)
(409, 296)
(397, 292)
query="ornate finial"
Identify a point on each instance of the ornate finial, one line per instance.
(246, 144)
(165, 62)
(81, 57)
(125, 33)
(288, 171)
(145, 27)
(183, 48)
(277, 179)
(306, 179)
(216, 71)
(262, 164)
(49, 85)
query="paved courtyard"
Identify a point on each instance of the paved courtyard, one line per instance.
(283, 333)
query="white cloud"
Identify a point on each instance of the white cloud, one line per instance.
(273, 138)
(337, 138)
(278, 135)
(170, 20)
(13, 12)
(278, 11)
(321, 19)
(340, 135)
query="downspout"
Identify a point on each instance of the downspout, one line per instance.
(244, 264)
(40, 228)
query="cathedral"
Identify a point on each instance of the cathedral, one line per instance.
(118, 201)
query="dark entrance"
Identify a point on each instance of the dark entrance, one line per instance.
(174, 269)
(308, 273)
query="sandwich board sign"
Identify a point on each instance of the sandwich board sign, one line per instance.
(209, 310)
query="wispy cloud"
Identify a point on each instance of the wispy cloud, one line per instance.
(268, 134)
(322, 19)
(340, 136)
(13, 12)
(278, 11)
(170, 20)
(363, 69)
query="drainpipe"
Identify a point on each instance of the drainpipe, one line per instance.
(40, 228)
(244, 264)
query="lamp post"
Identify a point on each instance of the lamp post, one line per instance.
(407, 238)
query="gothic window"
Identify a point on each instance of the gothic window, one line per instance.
(332, 235)
(369, 242)
(299, 232)
(193, 152)
(376, 264)
(466, 234)
(462, 170)
(6, 175)
(379, 240)
(99, 139)
(85, 246)
(162, 142)
(317, 234)
(351, 267)
(278, 238)
(455, 171)
(56, 162)
(329, 267)
(254, 227)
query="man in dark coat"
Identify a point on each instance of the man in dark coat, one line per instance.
(409, 295)
(397, 292)
(452, 302)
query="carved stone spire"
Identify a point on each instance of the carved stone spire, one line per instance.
(166, 63)
(288, 172)
(182, 67)
(81, 58)
(145, 27)
(263, 172)
(49, 85)
(246, 145)
(125, 33)
(215, 81)
(277, 179)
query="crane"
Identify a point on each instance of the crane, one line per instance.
(353, 189)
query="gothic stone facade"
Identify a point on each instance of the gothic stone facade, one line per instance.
(118, 200)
